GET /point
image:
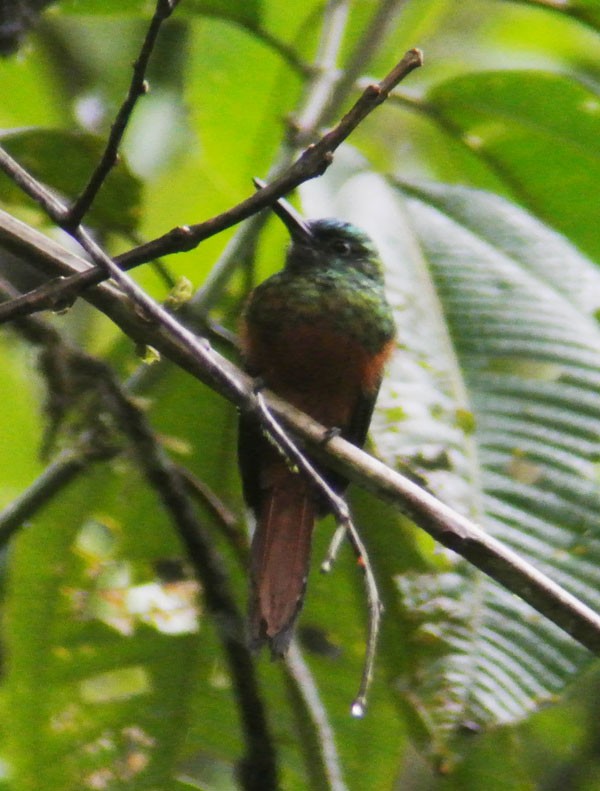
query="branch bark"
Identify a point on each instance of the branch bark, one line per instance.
(445, 525)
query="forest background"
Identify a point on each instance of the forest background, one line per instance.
(478, 179)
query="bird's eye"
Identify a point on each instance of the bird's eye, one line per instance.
(342, 247)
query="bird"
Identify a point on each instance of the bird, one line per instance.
(318, 334)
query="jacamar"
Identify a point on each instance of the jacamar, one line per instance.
(318, 334)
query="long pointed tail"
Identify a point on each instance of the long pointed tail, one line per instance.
(280, 561)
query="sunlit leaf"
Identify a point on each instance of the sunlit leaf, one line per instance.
(539, 132)
(490, 401)
(94, 680)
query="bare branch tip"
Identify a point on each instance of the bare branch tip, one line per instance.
(417, 55)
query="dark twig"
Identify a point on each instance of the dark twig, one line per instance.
(374, 603)
(56, 294)
(138, 87)
(445, 525)
(311, 163)
(208, 498)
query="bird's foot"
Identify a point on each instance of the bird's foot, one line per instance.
(330, 433)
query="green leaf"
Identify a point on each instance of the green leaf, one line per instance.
(496, 316)
(95, 689)
(220, 89)
(539, 132)
(518, 304)
(45, 152)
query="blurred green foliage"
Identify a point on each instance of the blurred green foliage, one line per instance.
(479, 181)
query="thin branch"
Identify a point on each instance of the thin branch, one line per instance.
(56, 294)
(208, 498)
(138, 87)
(311, 163)
(445, 525)
(59, 293)
(227, 521)
(375, 608)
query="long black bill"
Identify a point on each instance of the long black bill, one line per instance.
(296, 224)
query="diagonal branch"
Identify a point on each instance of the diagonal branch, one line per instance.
(445, 525)
(312, 162)
(254, 403)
